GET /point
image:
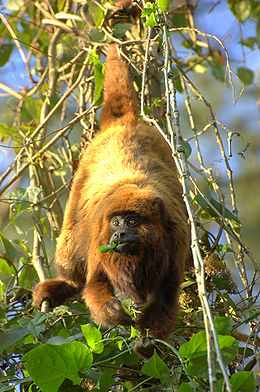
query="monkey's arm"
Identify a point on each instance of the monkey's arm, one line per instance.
(105, 308)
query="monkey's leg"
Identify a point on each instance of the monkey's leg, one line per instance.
(158, 317)
(105, 308)
(160, 313)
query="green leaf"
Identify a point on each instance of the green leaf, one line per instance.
(107, 248)
(155, 367)
(228, 346)
(96, 12)
(8, 338)
(200, 68)
(12, 217)
(34, 326)
(179, 20)
(187, 283)
(258, 33)
(15, 198)
(249, 42)
(196, 352)
(5, 52)
(27, 276)
(176, 79)
(93, 338)
(146, 12)
(127, 385)
(19, 204)
(104, 383)
(134, 332)
(32, 109)
(60, 5)
(203, 203)
(197, 344)
(201, 200)
(66, 386)
(120, 29)
(243, 382)
(149, 8)
(32, 193)
(185, 387)
(246, 75)
(6, 131)
(240, 8)
(97, 35)
(217, 69)
(57, 340)
(220, 385)
(221, 284)
(158, 102)
(49, 365)
(255, 9)
(10, 250)
(163, 5)
(14, 5)
(223, 325)
(245, 352)
(93, 374)
(99, 77)
(5, 268)
(3, 317)
(187, 149)
(229, 301)
(151, 20)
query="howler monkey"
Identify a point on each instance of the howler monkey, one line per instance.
(125, 191)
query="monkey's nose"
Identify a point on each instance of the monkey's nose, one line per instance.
(121, 234)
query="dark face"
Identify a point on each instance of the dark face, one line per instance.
(125, 233)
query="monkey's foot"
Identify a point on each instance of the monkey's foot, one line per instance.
(144, 347)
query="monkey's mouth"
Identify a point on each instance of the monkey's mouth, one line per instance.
(125, 247)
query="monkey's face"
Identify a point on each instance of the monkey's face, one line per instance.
(133, 219)
(125, 233)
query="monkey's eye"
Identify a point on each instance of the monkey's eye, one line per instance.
(115, 222)
(132, 222)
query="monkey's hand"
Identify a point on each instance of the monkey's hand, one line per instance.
(113, 314)
(55, 291)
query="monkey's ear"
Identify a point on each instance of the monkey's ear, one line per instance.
(158, 204)
(160, 209)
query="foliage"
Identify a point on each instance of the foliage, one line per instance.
(62, 46)
(107, 248)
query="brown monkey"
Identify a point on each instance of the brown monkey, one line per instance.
(125, 191)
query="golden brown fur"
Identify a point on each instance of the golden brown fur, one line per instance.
(127, 168)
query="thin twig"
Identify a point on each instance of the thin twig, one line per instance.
(44, 122)
(13, 35)
(214, 123)
(230, 72)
